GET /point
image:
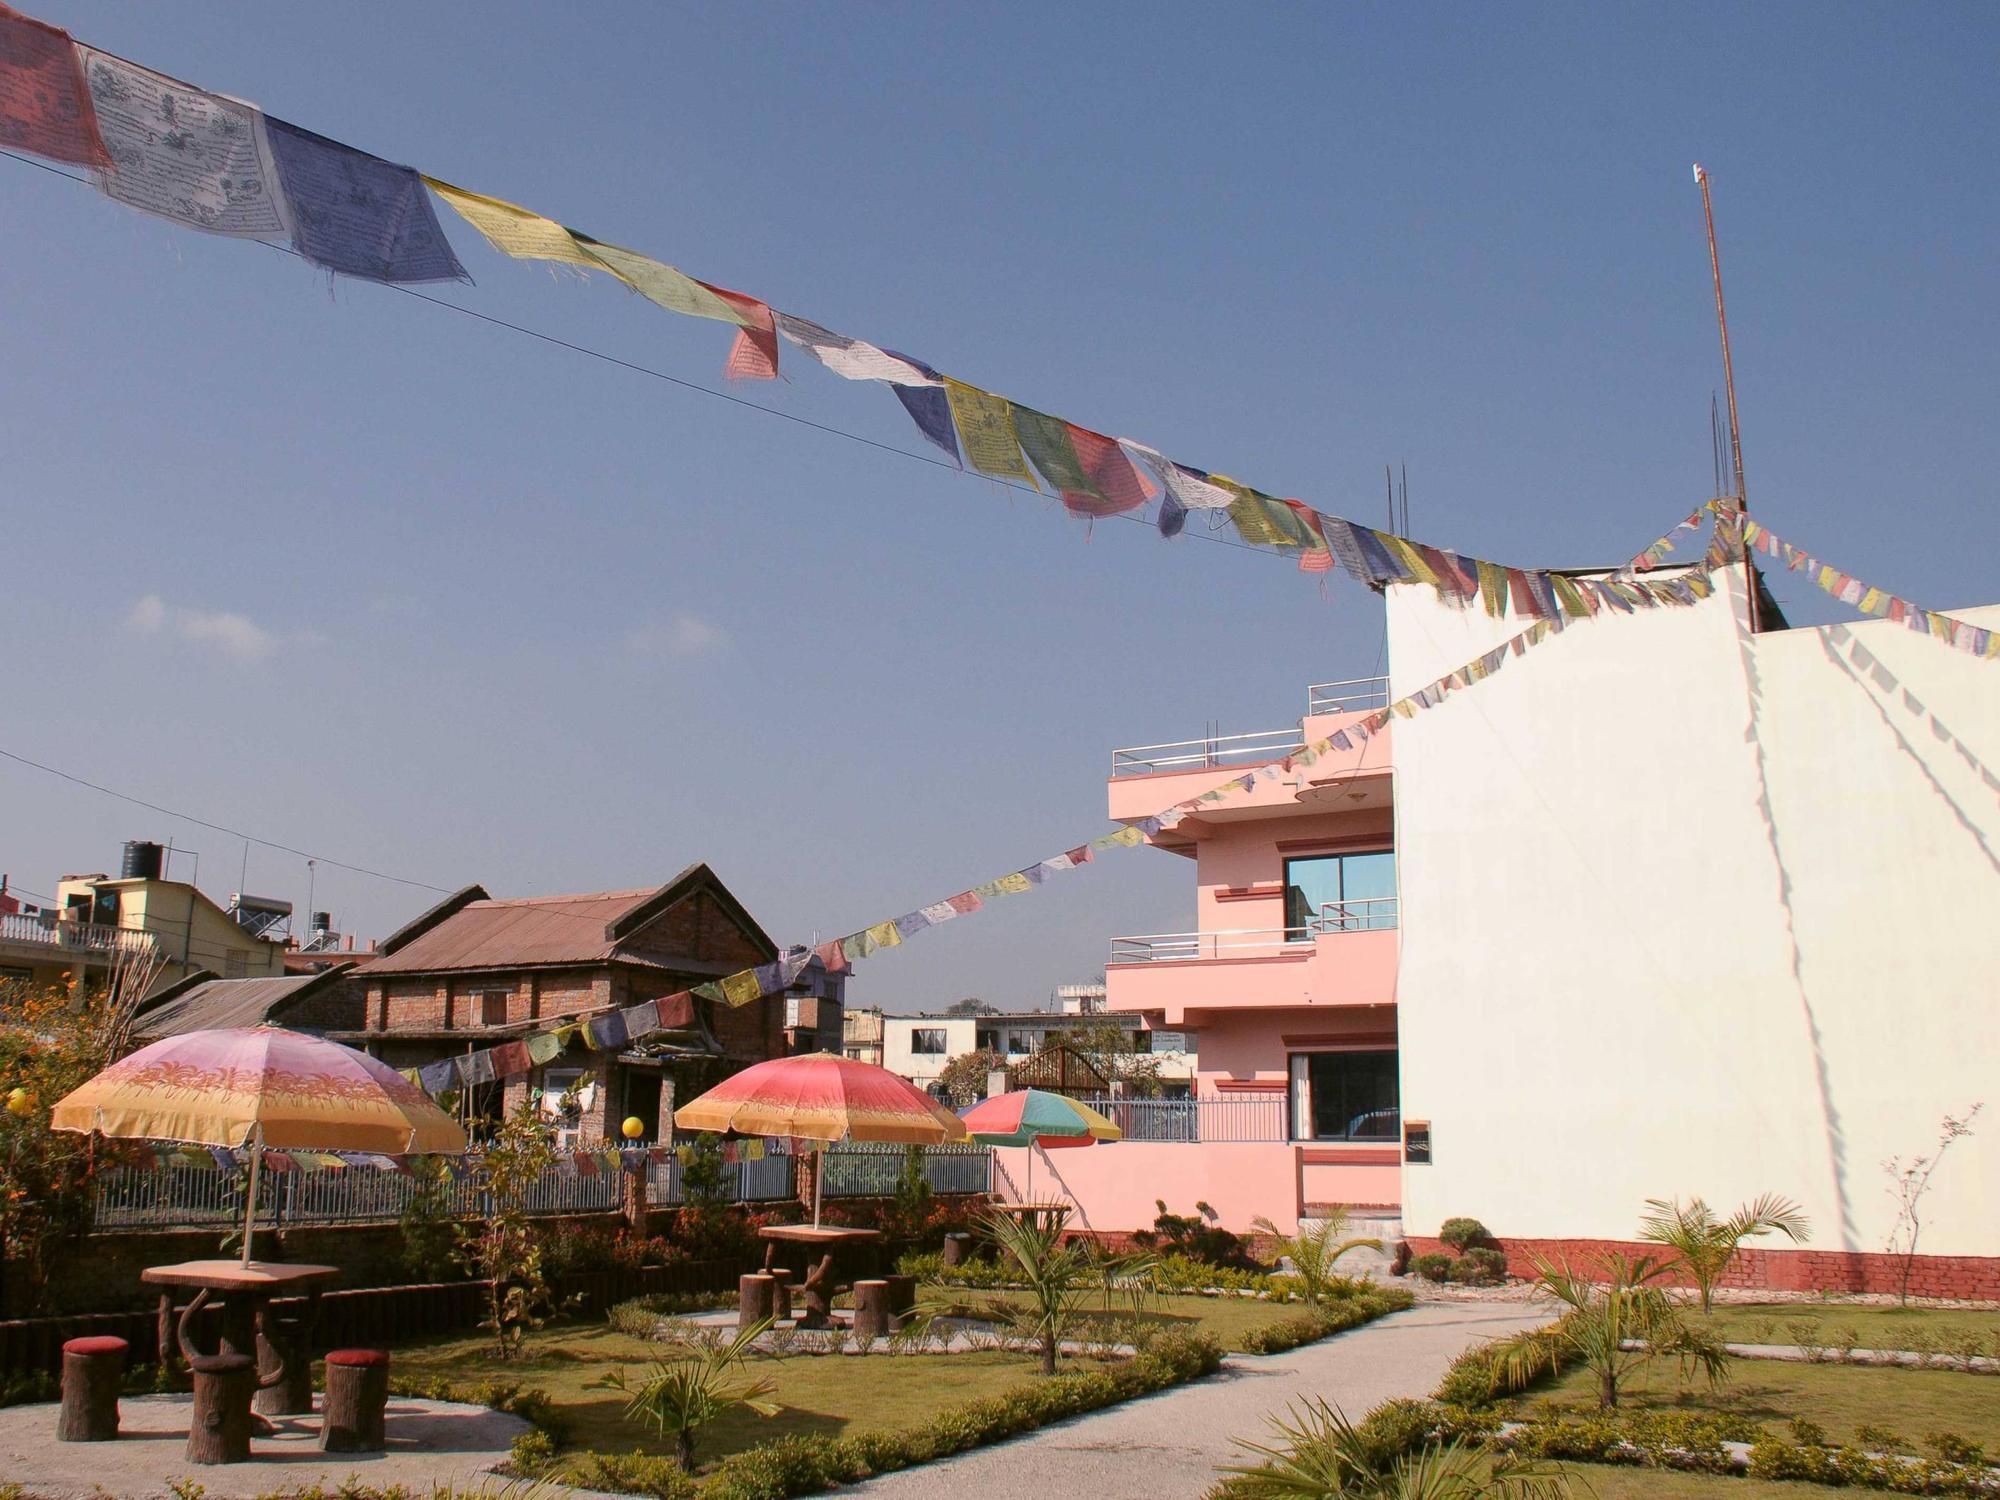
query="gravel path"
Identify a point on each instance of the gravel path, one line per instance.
(1169, 1445)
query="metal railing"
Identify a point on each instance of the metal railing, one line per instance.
(181, 1196)
(47, 929)
(1191, 1121)
(1356, 695)
(1373, 914)
(1196, 755)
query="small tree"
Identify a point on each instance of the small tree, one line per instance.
(1706, 1245)
(702, 1185)
(681, 1395)
(1611, 1329)
(1056, 1277)
(1314, 1250)
(502, 1249)
(971, 1005)
(1908, 1184)
(1108, 1048)
(963, 1080)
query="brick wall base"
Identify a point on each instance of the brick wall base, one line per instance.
(1956, 1277)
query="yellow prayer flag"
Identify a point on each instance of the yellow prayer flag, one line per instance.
(741, 987)
(513, 230)
(1403, 708)
(1411, 559)
(884, 934)
(1126, 837)
(659, 282)
(986, 428)
(1011, 885)
(752, 1150)
(1873, 602)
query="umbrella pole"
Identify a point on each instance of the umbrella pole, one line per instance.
(819, 1181)
(250, 1206)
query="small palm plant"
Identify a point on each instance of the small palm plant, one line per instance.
(1706, 1245)
(1611, 1328)
(1318, 1454)
(1313, 1251)
(679, 1396)
(1057, 1278)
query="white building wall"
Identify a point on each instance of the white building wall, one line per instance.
(1690, 912)
(923, 1068)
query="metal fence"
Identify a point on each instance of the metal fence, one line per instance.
(179, 1197)
(1189, 1121)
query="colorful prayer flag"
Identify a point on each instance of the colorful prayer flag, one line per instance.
(986, 431)
(851, 359)
(514, 230)
(658, 282)
(358, 214)
(44, 103)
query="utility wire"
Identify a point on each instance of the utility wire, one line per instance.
(235, 833)
(707, 390)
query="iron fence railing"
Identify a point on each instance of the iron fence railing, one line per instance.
(180, 1196)
(1191, 1121)
(1354, 696)
(1364, 914)
(47, 929)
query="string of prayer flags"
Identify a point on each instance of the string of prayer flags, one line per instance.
(183, 153)
(851, 359)
(45, 105)
(358, 214)
(1960, 635)
(754, 354)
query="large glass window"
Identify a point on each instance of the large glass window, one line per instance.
(1341, 892)
(927, 1041)
(1344, 1096)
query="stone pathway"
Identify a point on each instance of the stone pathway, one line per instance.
(1169, 1445)
(429, 1442)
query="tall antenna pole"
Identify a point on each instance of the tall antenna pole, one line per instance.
(1728, 382)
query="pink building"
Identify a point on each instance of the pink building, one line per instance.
(1286, 984)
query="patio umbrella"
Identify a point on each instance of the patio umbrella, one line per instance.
(1035, 1117)
(260, 1088)
(822, 1097)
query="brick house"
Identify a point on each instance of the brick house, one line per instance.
(473, 972)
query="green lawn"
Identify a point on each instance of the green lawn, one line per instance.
(1226, 1319)
(1621, 1482)
(1837, 1397)
(831, 1394)
(1867, 1327)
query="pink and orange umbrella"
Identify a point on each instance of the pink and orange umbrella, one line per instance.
(822, 1097)
(260, 1087)
(1034, 1117)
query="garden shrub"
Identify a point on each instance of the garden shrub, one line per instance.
(1480, 1267)
(1461, 1234)
(1196, 1236)
(1336, 1316)
(1776, 1459)
(639, 1317)
(632, 1473)
(1672, 1440)
(1435, 1266)
(1477, 1378)
(1178, 1271)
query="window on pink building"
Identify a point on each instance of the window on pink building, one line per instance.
(1345, 1096)
(1341, 892)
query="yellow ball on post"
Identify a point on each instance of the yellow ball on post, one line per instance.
(20, 1103)
(633, 1128)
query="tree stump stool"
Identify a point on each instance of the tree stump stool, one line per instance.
(756, 1299)
(902, 1301)
(818, 1296)
(781, 1294)
(284, 1367)
(219, 1426)
(871, 1312)
(956, 1247)
(92, 1371)
(357, 1395)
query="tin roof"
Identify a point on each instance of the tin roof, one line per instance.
(202, 1002)
(471, 930)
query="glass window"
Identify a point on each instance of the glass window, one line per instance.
(1344, 1096)
(927, 1041)
(1341, 892)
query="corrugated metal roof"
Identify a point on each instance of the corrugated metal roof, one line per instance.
(218, 1003)
(516, 934)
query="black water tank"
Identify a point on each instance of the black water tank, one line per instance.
(141, 862)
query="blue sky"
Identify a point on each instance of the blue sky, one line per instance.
(368, 578)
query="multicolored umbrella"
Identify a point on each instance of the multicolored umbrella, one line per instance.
(260, 1087)
(822, 1097)
(1034, 1117)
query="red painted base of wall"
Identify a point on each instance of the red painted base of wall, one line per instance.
(1961, 1277)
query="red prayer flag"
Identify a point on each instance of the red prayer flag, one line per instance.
(1120, 487)
(676, 1010)
(754, 355)
(833, 956)
(965, 902)
(44, 104)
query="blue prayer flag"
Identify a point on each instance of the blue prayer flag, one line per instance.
(358, 214)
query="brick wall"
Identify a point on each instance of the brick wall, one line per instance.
(1967, 1277)
(698, 928)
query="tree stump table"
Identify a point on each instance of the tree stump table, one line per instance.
(844, 1253)
(277, 1348)
(92, 1371)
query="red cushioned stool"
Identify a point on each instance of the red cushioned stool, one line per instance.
(357, 1395)
(92, 1371)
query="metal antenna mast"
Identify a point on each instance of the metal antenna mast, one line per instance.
(1728, 382)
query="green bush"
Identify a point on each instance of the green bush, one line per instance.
(1462, 1234)
(1196, 1236)
(1674, 1440)
(1479, 1378)
(1433, 1267)
(1492, 1262)
(1777, 1459)
(632, 1473)
(639, 1317)
(1179, 1272)
(1336, 1316)
(1952, 1448)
